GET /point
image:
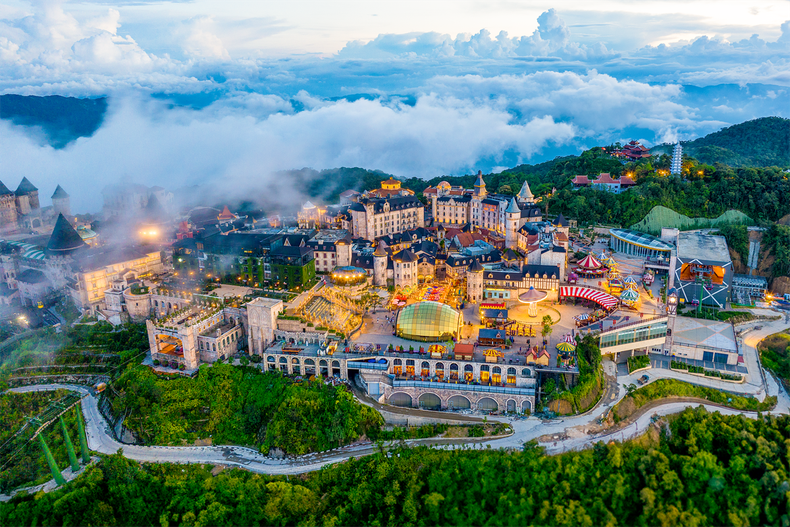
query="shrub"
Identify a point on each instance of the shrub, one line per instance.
(638, 362)
(156, 362)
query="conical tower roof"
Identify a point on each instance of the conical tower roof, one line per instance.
(226, 214)
(560, 221)
(525, 194)
(4, 190)
(64, 239)
(479, 182)
(513, 207)
(25, 187)
(381, 250)
(60, 193)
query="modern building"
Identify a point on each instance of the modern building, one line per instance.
(748, 289)
(677, 159)
(703, 269)
(429, 322)
(639, 244)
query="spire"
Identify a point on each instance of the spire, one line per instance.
(513, 207)
(525, 194)
(60, 193)
(479, 182)
(64, 238)
(4, 190)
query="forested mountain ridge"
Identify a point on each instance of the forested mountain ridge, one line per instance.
(760, 142)
(63, 119)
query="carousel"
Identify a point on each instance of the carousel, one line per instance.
(590, 267)
(531, 297)
(630, 297)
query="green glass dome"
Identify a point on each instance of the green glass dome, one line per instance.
(429, 322)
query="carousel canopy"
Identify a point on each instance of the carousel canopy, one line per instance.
(629, 295)
(609, 262)
(630, 280)
(565, 347)
(569, 339)
(532, 295)
(589, 262)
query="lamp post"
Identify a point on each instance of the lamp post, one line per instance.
(672, 301)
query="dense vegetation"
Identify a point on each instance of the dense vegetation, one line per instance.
(777, 241)
(710, 470)
(29, 467)
(775, 355)
(240, 405)
(586, 392)
(63, 119)
(663, 388)
(638, 362)
(761, 142)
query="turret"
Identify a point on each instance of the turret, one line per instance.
(61, 202)
(512, 216)
(525, 194)
(343, 251)
(480, 186)
(380, 265)
(26, 197)
(474, 282)
(64, 240)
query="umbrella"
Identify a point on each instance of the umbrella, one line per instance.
(565, 347)
(583, 316)
(569, 339)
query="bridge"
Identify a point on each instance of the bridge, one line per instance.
(34, 428)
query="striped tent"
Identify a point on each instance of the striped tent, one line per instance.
(630, 280)
(565, 347)
(583, 316)
(609, 262)
(599, 297)
(569, 339)
(589, 262)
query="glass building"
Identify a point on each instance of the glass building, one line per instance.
(428, 322)
(639, 244)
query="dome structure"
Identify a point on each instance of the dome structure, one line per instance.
(428, 322)
(531, 297)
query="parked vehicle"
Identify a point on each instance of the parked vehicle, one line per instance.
(644, 379)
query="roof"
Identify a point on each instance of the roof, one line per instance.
(476, 267)
(531, 211)
(525, 193)
(626, 180)
(25, 187)
(405, 256)
(464, 349)
(479, 181)
(64, 238)
(605, 178)
(492, 334)
(31, 276)
(467, 239)
(581, 180)
(4, 190)
(641, 239)
(93, 259)
(703, 247)
(348, 193)
(381, 250)
(512, 208)
(560, 221)
(494, 313)
(59, 193)
(226, 214)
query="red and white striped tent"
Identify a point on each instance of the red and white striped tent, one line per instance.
(604, 300)
(589, 262)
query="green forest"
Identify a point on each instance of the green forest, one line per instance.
(698, 469)
(29, 467)
(243, 406)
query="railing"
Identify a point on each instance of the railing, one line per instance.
(618, 328)
(463, 387)
(640, 338)
(367, 365)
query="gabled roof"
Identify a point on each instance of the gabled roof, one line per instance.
(25, 187)
(605, 178)
(226, 214)
(581, 180)
(64, 238)
(60, 193)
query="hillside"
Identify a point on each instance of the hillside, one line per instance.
(659, 217)
(761, 143)
(63, 119)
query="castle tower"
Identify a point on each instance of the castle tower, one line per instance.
(525, 194)
(474, 283)
(343, 251)
(61, 203)
(480, 186)
(512, 217)
(677, 159)
(26, 197)
(380, 265)
(8, 213)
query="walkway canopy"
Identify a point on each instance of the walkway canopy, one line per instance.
(604, 300)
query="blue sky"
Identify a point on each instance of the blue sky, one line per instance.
(207, 91)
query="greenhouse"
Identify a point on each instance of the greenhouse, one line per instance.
(428, 322)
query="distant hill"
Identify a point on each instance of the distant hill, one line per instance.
(761, 142)
(63, 119)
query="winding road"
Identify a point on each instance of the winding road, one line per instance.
(569, 433)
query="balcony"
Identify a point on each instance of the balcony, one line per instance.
(444, 385)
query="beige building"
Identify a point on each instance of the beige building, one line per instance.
(373, 218)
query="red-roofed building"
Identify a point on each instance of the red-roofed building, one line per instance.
(604, 182)
(226, 215)
(581, 181)
(633, 151)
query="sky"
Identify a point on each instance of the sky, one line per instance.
(223, 94)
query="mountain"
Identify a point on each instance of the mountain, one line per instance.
(63, 119)
(761, 142)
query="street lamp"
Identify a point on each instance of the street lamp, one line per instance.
(672, 301)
